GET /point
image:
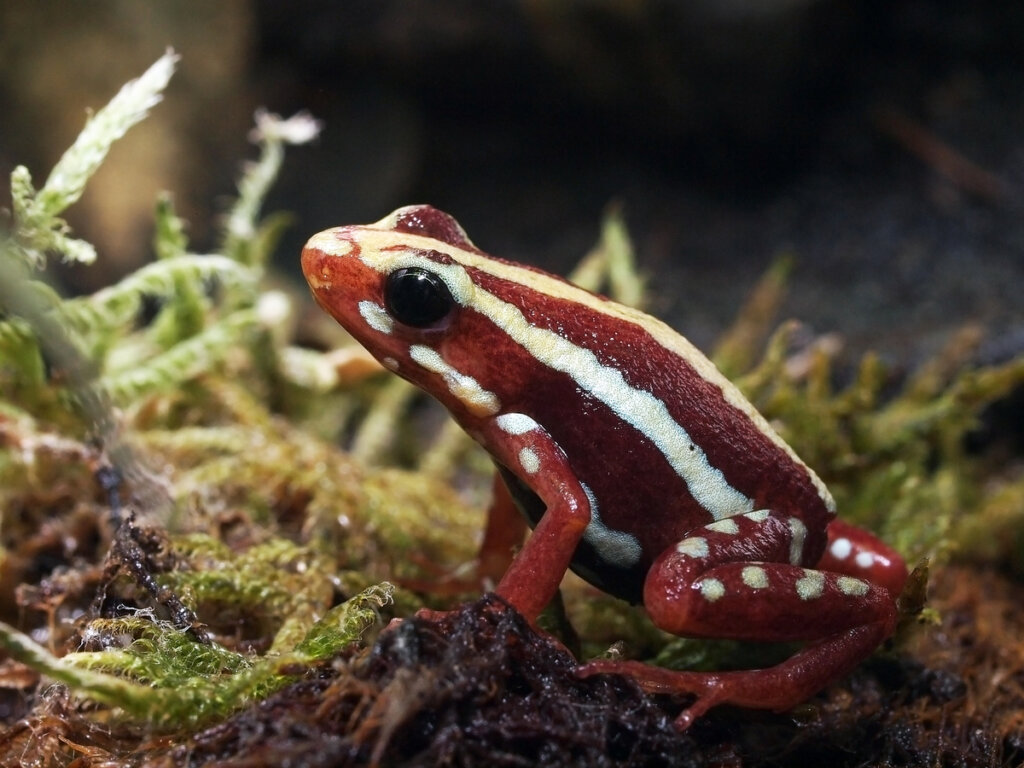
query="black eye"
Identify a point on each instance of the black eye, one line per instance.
(417, 297)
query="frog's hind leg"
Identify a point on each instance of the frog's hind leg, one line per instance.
(740, 578)
(775, 688)
(856, 552)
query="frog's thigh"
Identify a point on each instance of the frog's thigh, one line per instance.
(740, 578)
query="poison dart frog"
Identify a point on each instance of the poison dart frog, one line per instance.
(636, 462)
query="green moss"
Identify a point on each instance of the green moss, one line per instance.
(895, 463)
(272, 524)
(160, 675)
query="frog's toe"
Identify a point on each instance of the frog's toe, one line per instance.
(706, 687)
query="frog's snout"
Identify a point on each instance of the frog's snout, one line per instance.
(324, 253)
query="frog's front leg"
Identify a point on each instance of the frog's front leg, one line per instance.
(527, 451)
(741, 578)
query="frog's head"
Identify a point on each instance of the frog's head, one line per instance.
(401, 287)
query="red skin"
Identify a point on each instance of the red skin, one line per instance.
(748, 581)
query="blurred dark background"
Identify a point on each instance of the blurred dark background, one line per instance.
(879, 143)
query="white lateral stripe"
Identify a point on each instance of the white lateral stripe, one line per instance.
(377, 239)
(638, 408)
(479, 400)
(619, 548)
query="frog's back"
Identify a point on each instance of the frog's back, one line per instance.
(661, 440)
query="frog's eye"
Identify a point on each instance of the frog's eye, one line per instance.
(417, 297)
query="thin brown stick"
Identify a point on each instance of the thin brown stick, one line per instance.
(937, 154)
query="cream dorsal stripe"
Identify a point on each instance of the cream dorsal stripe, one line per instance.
(636, 407)
(394, 249)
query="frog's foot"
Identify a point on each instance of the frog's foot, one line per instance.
(706, 687)
(777, 688)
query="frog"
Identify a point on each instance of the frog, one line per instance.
(634, 460)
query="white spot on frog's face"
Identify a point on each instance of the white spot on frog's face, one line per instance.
(478, 400)
(694, 546)
(376, 316)
(728, 525)
(712, 589)
(516, 423)
(798, 533)
(811, 585)
(529, 460)
(841, 548)
(758, 515)
(754, 577)
(851, 586)
(864, 559)
(617, 548)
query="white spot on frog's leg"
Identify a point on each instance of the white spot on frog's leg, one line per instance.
(529, 460)
(516, 423)
(851, 586)
(390, 363)
(758, 515)
(694, 546)
(811, 585)
(376, 316)
(711, 589)
(728, 526)
(841, 548)
(617, 548)
(754, 577)
(864, 559)
(798, 533)
(478, 400)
